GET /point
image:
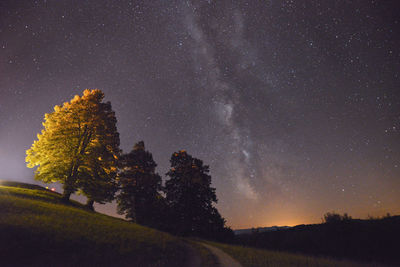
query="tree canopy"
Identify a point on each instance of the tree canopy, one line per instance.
(190, 197)
(140, 187)
(78, 147)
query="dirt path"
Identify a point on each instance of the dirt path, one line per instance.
(224, 259)
(192, 257)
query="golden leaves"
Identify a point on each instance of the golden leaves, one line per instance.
(74, 132)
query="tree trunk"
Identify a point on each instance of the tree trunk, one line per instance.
(69, 185)
(66, 195)
(89, 204)
(134, 210)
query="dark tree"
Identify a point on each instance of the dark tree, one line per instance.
(99, 184)
(332, 217)
(140, 185)
(190, 198)
(100, 169)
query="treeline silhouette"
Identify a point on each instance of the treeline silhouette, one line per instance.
(340, 236)
(184, 206)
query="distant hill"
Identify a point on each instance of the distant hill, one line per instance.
(260, 230)
(372, 240)
(37, 230)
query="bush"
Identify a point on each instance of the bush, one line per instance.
(332, 217)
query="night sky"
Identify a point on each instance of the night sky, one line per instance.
(295, 105)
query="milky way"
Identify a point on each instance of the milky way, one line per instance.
(295, 105)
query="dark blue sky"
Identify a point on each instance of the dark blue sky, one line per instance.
(295, 105)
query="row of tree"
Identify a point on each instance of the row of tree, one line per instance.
(79, 147)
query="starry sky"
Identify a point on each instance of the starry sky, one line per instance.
(295, 105)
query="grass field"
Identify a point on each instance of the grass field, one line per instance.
(251, 257)
(36, 229)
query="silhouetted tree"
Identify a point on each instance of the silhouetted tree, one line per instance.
(190, 198)
(140, 185)
(332, 217)
(99, 184)
(74, 135)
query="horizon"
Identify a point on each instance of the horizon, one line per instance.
(107, 210)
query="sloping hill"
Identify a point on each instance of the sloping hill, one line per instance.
(36, 229)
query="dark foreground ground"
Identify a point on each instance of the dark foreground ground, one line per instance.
(36, 229)
(375, 240)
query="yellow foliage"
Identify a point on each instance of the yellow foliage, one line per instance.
(75, 99)
(73, 132)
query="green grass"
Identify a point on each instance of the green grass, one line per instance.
(251, 257)
(35, 229)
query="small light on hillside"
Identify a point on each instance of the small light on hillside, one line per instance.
(53, 189)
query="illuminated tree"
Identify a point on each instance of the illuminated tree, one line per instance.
(78, 146)
(190, 197)
(140, 185)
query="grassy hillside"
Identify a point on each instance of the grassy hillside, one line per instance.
(251, 257)
(36, 229)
